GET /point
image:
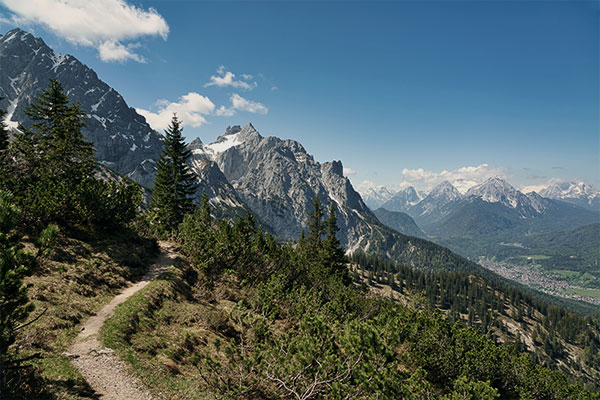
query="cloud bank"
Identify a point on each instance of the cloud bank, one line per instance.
(191, 109)
(103, 24)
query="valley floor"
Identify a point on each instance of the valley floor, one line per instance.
(554, 283)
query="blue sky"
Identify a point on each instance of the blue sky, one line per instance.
(399, 91)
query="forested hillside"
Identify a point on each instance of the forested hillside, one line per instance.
(552, 335)
(246, 317)
(241, 315)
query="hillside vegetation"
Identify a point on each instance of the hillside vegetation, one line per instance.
(242, 315)
(246, 317)
(552, 335)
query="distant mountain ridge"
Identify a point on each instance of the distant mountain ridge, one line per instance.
(402, 200)
(495, 206)
(375, 197)
(575, 192)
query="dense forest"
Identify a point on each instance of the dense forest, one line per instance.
(240, 314)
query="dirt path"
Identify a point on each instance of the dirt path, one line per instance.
(110, 377)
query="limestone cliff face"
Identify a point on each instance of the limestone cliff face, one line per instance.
(278, 180)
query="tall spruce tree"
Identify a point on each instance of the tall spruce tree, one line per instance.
(174, 182)
(333, 253)
(316, 227)
(57, 133)
(52, 165)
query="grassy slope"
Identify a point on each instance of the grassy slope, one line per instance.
(160, 330)
(78, 279)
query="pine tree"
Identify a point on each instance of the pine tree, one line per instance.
(55, 136)
(334, 257)
(52, 166)
(52, 163)
(174, 182)
(316, 227)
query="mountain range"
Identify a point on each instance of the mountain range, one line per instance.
(496, 205)
(241, 171)
(276, 179)
(577, 192)
(375, 197)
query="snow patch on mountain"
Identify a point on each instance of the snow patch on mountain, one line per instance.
(234, 136)
(497, 190)
(9, 114)
(575, 192)
(375, 196)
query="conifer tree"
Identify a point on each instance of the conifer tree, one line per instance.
(174, 182)
(52, 166)
(316, 227)
(334, 256)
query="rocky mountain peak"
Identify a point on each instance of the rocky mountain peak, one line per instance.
(445, 190)
(403, 200)
(232, 130)
(376, 196)
(411, 194)
(248, 132)
(493, 189)
(497, 190)
(122, 138)
(195, 144)
(335, 167)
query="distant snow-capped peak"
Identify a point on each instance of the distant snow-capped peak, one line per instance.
(575, 192)
(446, 191)
(409, 195)
(497, 190)
(572, 190)
(375, 196)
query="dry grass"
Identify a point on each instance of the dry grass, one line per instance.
(72, 284)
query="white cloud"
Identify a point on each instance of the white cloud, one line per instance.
(191, 109)
(103, 24)
(115, 51)
(349, 171)
(226, 78)
(462, 178)
(225, 112)
(533, 188)
(364, 185)
(238, 103)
